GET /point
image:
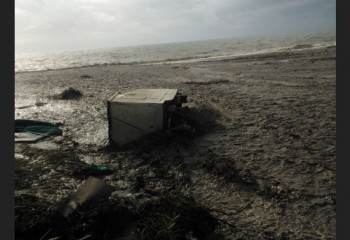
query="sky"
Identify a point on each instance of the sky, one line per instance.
(61, 25)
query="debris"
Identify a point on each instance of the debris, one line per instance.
(44, 129)
(33, 131)
(25, 106)
(70, 93)
(137, 113)
(91, 189)
(214, 81)
(45, 145)
(86, 237)
(27, 137)
(98, 168)
(40, 104)
(23, 123)
(45, 234)
(33, 126)
(58, 139)
(92, 170)
(85, 76)
(37, 104)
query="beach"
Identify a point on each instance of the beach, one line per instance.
(262, 162)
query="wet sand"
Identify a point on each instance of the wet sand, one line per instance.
(264, 161)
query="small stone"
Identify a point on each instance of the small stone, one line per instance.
(58, 140)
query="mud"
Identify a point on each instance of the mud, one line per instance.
(257, 161)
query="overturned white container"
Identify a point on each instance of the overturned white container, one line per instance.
(136, 113)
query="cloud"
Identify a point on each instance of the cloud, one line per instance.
(75, 24)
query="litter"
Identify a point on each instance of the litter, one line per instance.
(52, 130)
(98, 169)
(29, 137)
(33, 131)
(91, 189)
(45, 234)
(92, 170)
(136, 113)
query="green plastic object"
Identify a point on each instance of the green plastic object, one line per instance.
(43, 129)
(33, 126)
(97, 168)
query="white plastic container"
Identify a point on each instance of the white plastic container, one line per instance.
(136, 113)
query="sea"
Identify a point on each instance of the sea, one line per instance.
(171, 52)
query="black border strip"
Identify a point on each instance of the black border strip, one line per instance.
(343, 120)
(7, 123)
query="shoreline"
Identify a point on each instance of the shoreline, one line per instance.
(194, 59)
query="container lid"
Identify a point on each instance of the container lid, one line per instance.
(144, 95)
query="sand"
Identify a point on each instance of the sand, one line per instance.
(263, 163)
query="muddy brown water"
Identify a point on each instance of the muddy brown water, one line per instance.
(262, 162)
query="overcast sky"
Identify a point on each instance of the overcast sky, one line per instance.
(44, 25)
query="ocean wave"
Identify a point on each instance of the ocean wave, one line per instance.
(302, 46)
(167, 60)
(169, 53)
(307, 46)
(180, 60)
